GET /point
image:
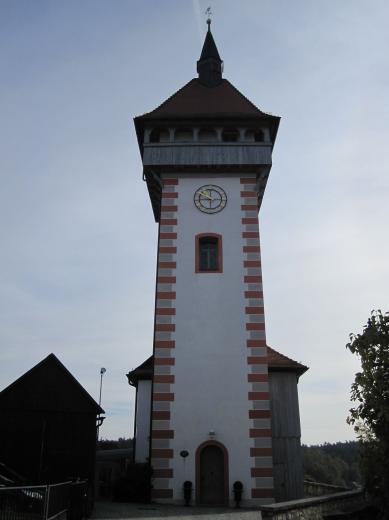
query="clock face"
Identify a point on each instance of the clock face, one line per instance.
(210, 198)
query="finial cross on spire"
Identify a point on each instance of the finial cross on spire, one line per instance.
(208, 13)
(209, 66)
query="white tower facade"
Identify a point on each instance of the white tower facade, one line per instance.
(206, 154)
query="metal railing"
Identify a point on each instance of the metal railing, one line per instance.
(57, 500)
(43, 502)
(22, 502)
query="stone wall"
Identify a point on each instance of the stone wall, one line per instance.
(314, 508)
(318, 489)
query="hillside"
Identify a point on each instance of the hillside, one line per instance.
(336, 464)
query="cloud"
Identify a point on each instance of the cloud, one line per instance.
(78, 239)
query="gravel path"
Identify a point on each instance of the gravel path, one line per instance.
(124, 511)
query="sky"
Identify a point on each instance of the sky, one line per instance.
(77, 235)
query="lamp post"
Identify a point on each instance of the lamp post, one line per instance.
(102, 372)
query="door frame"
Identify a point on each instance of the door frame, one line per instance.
(198, 469)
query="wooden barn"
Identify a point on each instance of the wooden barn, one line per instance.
(48, 425)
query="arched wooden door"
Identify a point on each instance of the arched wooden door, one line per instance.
(212, 478)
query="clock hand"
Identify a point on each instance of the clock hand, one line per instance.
(206, 195)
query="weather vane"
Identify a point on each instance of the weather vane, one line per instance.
(208, 13)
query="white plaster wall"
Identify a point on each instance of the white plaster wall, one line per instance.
(211, 388)
(143, 421)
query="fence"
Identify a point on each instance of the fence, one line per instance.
(54, 501)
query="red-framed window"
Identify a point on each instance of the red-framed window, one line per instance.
(209, 253)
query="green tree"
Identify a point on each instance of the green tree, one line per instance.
(108, 444)
(370, 417)
(335, 464)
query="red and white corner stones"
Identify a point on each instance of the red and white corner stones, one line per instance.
(258, 395)
(164, 344)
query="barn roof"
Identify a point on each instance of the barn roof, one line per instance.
(277, 363)
(48, 386)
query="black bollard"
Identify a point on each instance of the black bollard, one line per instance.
(187, 492)
(238, 489)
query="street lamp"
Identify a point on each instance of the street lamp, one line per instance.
(102, 372)
(100, 419)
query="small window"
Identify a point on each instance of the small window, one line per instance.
(207, 135)
(159, 135)
(257, 136)
(208, 253)
(230, 135)
(183, 135)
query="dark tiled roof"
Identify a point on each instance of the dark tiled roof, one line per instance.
(197, 100)
(143, 371)
(209, 48)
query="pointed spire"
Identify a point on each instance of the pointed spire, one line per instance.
(210, 66)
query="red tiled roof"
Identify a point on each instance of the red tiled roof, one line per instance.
(197, 100)
(276, 361)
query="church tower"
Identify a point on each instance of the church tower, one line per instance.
(207, 153)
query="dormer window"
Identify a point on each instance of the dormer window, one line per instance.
(209, 253)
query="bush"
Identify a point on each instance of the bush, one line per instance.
(135, 486)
